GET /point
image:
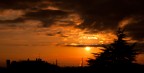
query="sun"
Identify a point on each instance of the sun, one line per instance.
(87, 48)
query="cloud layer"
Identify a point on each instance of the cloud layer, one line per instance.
(92, 15)
(108, 14)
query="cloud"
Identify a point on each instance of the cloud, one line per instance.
(23, 4)
(13, 12)
(105, 11)
(103, 15)
(70, 34)
(136, 29)
(45, 18)
(48, 17)
(125, 22)
(22, 24)
(79, 45)
(92, 15)
(10, 14)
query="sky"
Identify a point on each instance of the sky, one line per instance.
(62, 29)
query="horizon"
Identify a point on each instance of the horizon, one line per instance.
(69, 60)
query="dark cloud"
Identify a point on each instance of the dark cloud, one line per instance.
(136, 30)
(106, 14)
(98, 15)
(18, 20)
(11, 23)
(84, 45)
(48, 17)
(22, 4)
(58, 33)
(34, 10)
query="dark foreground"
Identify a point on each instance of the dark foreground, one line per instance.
(44, 69)
(39, 66)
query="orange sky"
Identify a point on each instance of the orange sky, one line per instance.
(66, 56)
(51, 29)
(21, 44)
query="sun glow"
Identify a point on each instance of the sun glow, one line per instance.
(87, 48)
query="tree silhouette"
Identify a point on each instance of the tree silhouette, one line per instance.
(117, 53)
